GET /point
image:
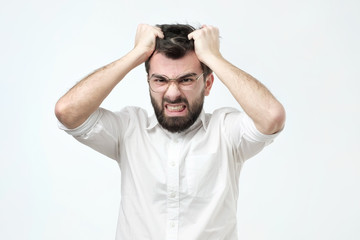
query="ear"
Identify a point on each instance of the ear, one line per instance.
(208, 84)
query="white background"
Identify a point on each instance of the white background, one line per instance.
(303, 186)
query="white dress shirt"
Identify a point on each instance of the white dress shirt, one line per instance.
(175, 185)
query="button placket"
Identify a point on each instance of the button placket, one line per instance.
(173, 189)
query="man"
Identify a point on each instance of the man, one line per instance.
(179, 168)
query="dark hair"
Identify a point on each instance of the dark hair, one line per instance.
(175, 44)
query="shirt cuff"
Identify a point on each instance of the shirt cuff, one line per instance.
(256, 135)
(85, 127)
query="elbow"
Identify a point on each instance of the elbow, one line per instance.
(60, 111)
(273, 122)
(276, 120)
(64, 115)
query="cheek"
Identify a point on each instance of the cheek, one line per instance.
(157, 98)
(200, 91)
(194, 98)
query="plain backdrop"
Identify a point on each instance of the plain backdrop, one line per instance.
(303, 186)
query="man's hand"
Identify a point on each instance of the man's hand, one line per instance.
(145, 39)
(207, 45)
(267, 113)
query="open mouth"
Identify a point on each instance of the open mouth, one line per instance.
(175, 107)
(175, 110)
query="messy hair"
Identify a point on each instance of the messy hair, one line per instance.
(175, 44)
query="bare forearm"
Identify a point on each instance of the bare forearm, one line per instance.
(85, 97)
(257, 101)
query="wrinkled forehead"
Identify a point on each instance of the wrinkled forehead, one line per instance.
(162, 65)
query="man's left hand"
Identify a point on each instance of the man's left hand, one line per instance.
(207, 45)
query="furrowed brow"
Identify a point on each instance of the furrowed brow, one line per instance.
(158, 76)
(166, 77)
(187, 75)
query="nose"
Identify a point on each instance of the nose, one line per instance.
(173, 91)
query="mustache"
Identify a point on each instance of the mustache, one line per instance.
(177, 100)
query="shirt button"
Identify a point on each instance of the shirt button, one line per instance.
(172, 163)
(172, 194)
(172, 224)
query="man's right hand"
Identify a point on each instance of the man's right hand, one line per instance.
(85, 97)
(145, 39)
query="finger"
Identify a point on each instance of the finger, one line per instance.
(159, 32)
(190, 36)
(193, 34)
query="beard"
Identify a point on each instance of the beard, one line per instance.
(178, 124)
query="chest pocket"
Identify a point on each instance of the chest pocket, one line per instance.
(205, 174)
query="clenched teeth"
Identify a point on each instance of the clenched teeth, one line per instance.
(176, 108)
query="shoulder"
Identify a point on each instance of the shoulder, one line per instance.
(136, 116)
(126, 117)
(222, 113)
(222, 118)
(225, 110)
(133, 111)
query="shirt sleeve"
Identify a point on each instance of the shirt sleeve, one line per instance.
(102, 131)
(246, 139)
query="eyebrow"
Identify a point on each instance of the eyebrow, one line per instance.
(181, 76)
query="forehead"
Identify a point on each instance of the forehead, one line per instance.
(160, 64)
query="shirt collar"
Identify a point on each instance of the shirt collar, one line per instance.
(153, 122)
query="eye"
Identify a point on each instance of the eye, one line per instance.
(186, 80)
(159, 80)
